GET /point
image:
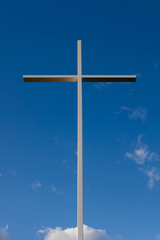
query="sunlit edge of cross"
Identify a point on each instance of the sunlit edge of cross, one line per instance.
(79, 78)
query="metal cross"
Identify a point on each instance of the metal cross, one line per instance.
(79, 78)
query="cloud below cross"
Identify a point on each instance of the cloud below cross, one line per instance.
(71, 234)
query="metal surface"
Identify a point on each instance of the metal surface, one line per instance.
(80, 152)
(50, 78)
(109, 78)
(74, 78)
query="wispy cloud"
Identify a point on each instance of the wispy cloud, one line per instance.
(61, 141)
(144, 157)
(139, 113)
(36, 185)
(76, 153)
(71, 234)
(12, 172)
(134, 114)
(153, 175)
(124, 108)
(141, 152)
(8, 172)
(53, 188)
(4, 233)
(57, 138)
(158, 237)
(101, 85)
(117, 237)
(139, 75)
(155, 64)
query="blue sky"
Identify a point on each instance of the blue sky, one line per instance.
(38, 120)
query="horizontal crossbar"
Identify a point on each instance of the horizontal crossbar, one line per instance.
(74, 78)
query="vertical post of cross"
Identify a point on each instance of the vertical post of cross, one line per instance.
(79, 146)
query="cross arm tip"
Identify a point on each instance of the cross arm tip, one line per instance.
(109, 78)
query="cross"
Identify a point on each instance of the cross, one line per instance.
(79, 78)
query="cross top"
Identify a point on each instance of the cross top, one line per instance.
(79, 78)
(74, 78)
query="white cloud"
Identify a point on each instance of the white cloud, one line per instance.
(71, 234)
(36, 185)
(154, 175)
(141, 152)
(1, 174)
(4, 233)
